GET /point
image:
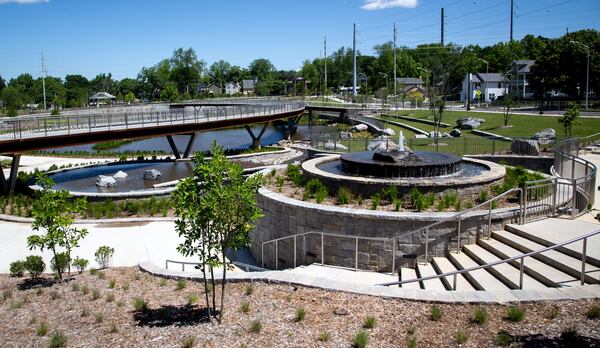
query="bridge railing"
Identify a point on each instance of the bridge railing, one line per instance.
(41, 126)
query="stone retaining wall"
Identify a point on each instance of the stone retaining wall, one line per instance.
(285, 216)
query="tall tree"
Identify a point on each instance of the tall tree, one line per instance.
(77, 90)
(220, 72)
(262, 69)
(186, 69)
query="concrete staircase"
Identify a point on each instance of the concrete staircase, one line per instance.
(551, 269)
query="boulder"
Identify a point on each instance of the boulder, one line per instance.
(421, 136)
(446, 135)
(381, 144)
(389, 131)
(330, 145)
(456, 133)
(468, 123)
(525, 147)
(152, 174)
(545, 136)
(120, 175)
(105, 181)
(360, 127)
(346, 135)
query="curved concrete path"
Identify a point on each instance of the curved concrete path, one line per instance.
(134, 242)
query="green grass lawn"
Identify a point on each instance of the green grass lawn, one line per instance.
(522, 125)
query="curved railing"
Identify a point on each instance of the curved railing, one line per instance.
(118, 119)
(246, 267)
(521, 259)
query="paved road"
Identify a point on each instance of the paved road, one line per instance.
(133, 243)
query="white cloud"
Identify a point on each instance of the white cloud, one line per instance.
(22, 2)
(371, 5)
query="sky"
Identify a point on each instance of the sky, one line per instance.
(89, 37)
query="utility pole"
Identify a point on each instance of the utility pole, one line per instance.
(354, 61)
(395, 83)
(325, 46)
(44, 79)
(442, 41)
(512, 13)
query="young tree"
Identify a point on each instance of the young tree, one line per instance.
(216, 210)
(508, 103)
(569, 118)
(54, 212)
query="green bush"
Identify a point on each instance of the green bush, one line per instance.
(344, 196)
(42, 329)
(104, 256)
(429, 199)
(503, 339)
(515, 314)
(320, 196)
(255, 326)
(461, 337)
(361, 339)
(57, 340)
(188, 342)
(369, 322)
(80, 264)
(398, 204)
(193, 299)
(249, 290)
(139, 304)
(375, 200)
(294, 174)
(35, 265)
(324, 336)
(17, 269)
(436, 313)
(482, 196)
(300, 314)
(411, 342)
(389, 194)
(553, 312)
(59, 263)
(360, 200)
(181, 284)
(593, 312)
(245, 307)
(480, 316)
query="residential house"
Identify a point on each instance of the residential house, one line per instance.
(485, 87)
(402, 82)
(520, 73)
(232, 88)
(248, 86)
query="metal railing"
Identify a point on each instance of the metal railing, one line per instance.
(521, 259)
(41, 126)
(246, 267)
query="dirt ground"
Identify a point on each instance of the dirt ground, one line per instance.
(98, 311)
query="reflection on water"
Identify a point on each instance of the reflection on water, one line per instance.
(84, 179)
(235, 138)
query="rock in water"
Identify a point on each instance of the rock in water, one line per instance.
(152, 174)
(120, 175)
(105, 181)
(525, 147)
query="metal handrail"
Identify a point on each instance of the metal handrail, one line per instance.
(245, 266)
(510, 259)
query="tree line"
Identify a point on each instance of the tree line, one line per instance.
(560, 66)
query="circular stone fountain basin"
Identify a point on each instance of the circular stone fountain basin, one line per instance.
(417, 164)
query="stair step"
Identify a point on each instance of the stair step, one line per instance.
(538, 270)
(407, 274)
(443, 265)
(425, 270)
(480, 279)
(506, 273)
(556, 259)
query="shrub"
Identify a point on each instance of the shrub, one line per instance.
(375, 200)
(85, 312)
(300, 314)
(255, 326)
(99, 318)
(411, 330)
(57, 340)
(249, 290)
(369, 322)
(429, 199)
(93, 271)
(245, 307)
(480, 316)
(503, 339)
(344, 195)
(101, 275)
(162, 282)
(461, 337)
(436, 313)
(553, 312)
(320, 196)
(593, 312)
(104, 256)
(411, 342)
(515, 314)
(35, 265)
(188, 342)
(42, 329)
(60, 263)
(324, 336)
(482, 196)
(398, 204)
(469, 204)
(273, 172)
(17, 269)
(111, 284)
(314, 187)
(294, 174)
(280, 182)
(80, 264)
(181, 284)
(95, 294)
(85, 290)
(110, 297)
(389, 194)
(361, 339)
(113, 328)
(125, 286)
(360, 200)
(458, 205)
(139, 304)
(193, 299)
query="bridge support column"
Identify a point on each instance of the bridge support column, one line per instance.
(188, 148)
(256, 139)
(291, 127)
(8, 185)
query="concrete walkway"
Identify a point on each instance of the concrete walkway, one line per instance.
(595, 159)
(133, 243)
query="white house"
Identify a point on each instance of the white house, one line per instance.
(232, 88)
(485, 87)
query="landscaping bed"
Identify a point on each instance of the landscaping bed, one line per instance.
(100, 310)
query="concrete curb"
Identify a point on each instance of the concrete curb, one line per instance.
(26, 220)
(430, 296)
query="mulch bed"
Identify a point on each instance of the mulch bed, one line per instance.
(169, 319)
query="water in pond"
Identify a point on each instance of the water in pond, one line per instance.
(468, 169)
(84, 179)
(235, 138)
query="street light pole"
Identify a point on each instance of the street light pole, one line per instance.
(487, 73)
(587, 72)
